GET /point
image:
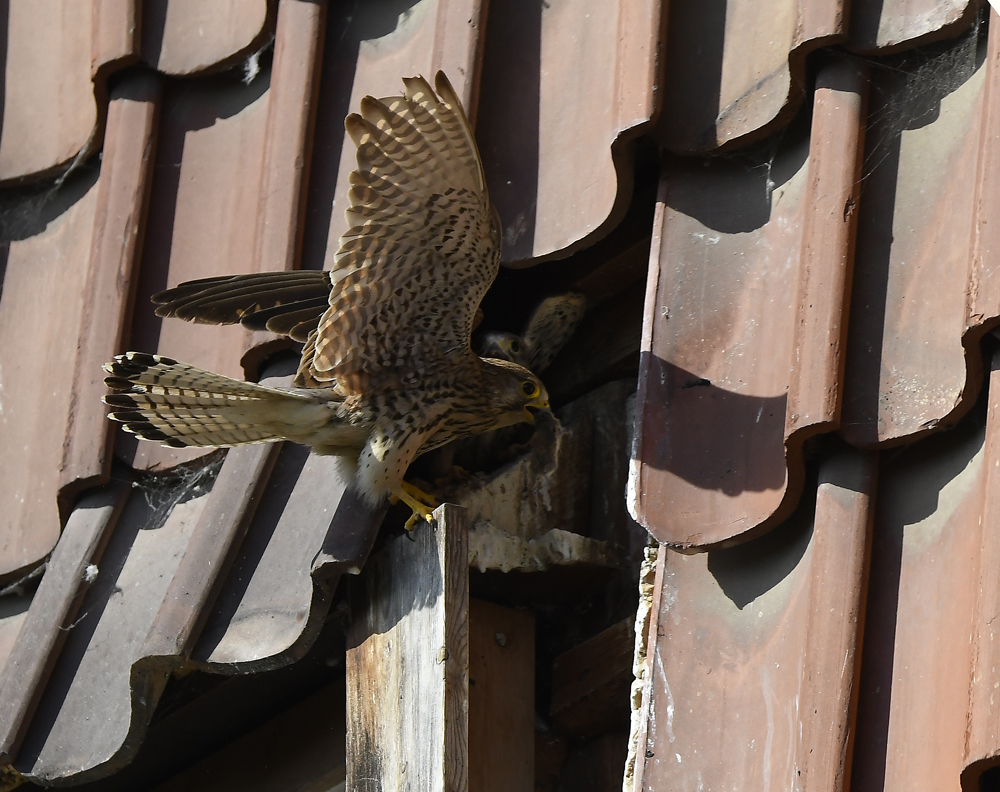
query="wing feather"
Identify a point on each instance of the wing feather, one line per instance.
(277, 301)
(422, 248)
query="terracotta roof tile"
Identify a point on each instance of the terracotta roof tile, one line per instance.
(908, 370)
(201, 221)
(40, 309)
(729, 338)
(367, 51)
(752, 651)
(114, 36)
(735, 71)
(49, 112)
(235, 580)
(188, 37)
(895, 24)
(546, 82)
(982, 746)
(913, 709)
(109, 290)
(758, 293)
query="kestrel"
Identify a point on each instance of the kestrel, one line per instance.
(387, 370)
(549, 328)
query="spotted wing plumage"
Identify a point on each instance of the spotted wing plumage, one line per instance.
(422, 248)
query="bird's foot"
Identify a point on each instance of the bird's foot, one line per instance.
(420, 502)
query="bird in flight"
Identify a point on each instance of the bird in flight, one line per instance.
(387, 371)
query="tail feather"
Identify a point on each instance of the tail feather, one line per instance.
(158, 398)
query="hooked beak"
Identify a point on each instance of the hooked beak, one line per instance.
(532, 408)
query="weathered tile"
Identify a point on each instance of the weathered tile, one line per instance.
(556, 124)
(913, 707)
(40, 311)
(187, 37)
(751, 660)
(49, 112)
(119, 221)
(880, 25)
(743, 324)
(201, 222)
(735, 69)
(73, 566)
(923, 247)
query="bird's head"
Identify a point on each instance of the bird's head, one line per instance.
(519, 394)
(504, 346)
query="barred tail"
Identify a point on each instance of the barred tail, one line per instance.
(158, 398)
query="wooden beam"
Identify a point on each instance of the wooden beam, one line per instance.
(408, 662)
(302, 749)
(501, 698)
(591, 682)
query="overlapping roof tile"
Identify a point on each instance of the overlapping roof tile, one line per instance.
(730, 340)
(544, 85)
(752, 654)
(759, 653)
(735, 71)
(832, 272)
(188, 37)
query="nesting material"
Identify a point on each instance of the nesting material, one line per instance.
(491, 547)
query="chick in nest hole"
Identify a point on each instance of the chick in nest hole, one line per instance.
(549, 328)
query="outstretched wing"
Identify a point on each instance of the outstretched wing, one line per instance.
(422, 248)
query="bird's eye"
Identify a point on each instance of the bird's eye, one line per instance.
(515, 347)
(529, 389)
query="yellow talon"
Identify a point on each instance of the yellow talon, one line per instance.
(412, 521)
(419, 495)
(420, 502)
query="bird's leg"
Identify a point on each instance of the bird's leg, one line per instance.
(418, 494)
(419, 501)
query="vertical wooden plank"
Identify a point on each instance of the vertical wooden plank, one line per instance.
(119, 221)
(408, 662)
(501, 698)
